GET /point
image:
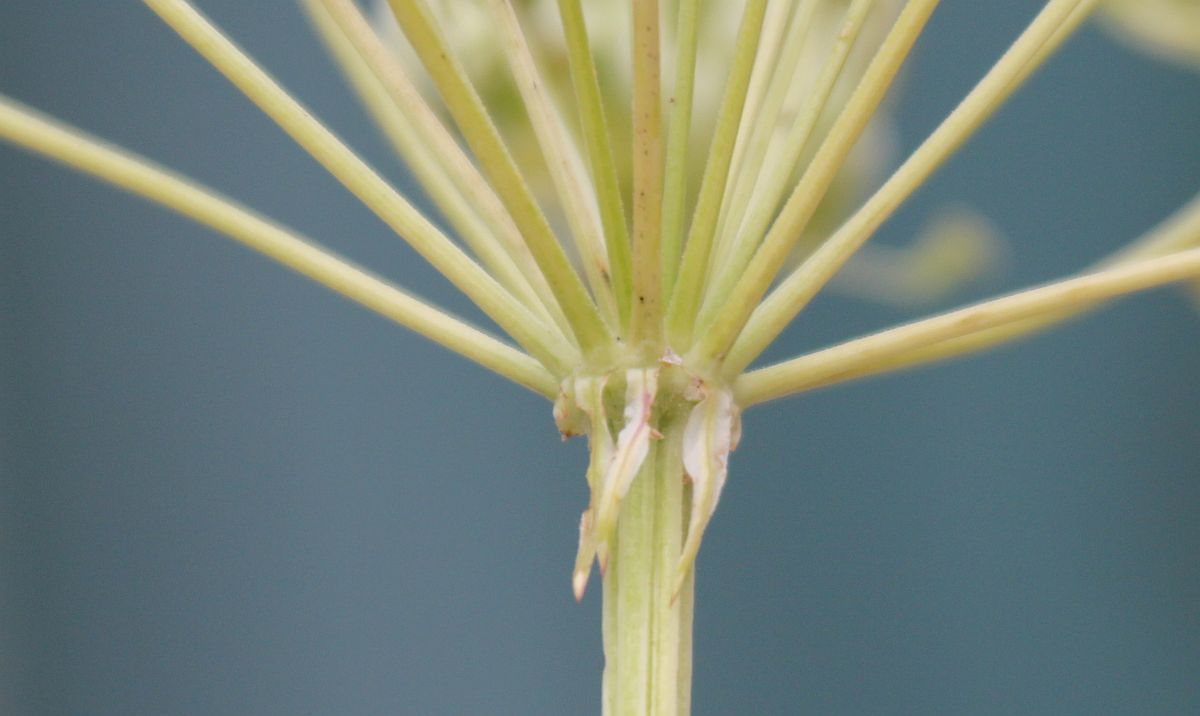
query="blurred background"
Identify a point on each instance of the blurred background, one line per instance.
(224, 490)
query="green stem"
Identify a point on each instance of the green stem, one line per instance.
(647, 635)
(685, 298)
(469, 113)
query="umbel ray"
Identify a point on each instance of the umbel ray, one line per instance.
(636, 278)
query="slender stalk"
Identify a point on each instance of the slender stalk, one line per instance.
(367, 185)
(742, 237)
(678, 135)
(1072, 294)
(1051, 27)
(669, 530)
(35, 132)
(609, 624)
(420, 155)
(1179, 232)
(447, 163)
(648, 633)
(634, 564)
(766, 60)
(600, 152)
(754, 152)
(646, 310)
(477, 128)
(686, 296)
(572, 187)
(742, 291)
(1082, 11)
(685, 600)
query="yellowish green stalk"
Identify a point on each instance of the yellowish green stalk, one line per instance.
(675, 183)
(428, 146)
(31, 130)
(477, 128)
(633, 560)
(743, 290)
(1082, 11)
(741, 238)
(646, 307)
(648, 673)
(600, 153)
(669, 530)
(685, 602)
(681, 312)
(1179, 232)
(776, 22)
(611, 679)
(758, 137)
(807, 371)
(421, 159)
(572, 187)
(1052, 26)
(709, 289)
(535, 336)
(645, 327)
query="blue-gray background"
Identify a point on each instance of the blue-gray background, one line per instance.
(227, 491)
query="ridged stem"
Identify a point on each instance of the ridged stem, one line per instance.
(647, 634)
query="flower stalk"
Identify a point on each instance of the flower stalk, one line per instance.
(694, 264)
(645, 325)
(645, 340)
(563, 163)
(596, 135)
(366, 184)
(647, 614)
(738, 291)
(675, 182)
(1068, 296)
(430, 151)
(1056, 21)
(35, 132)
(497, 163)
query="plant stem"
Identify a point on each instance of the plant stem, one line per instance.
(435, 166)
(430, 150)
(1054, 299)
(598, 141)
(366, 184)
(1178, 232)
(647, 635)
(1047, 31)
(685, 297)
(35, 132)
(473, 120)
(742, 289)
(678, 134)
(563, 162)
(645, 321)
